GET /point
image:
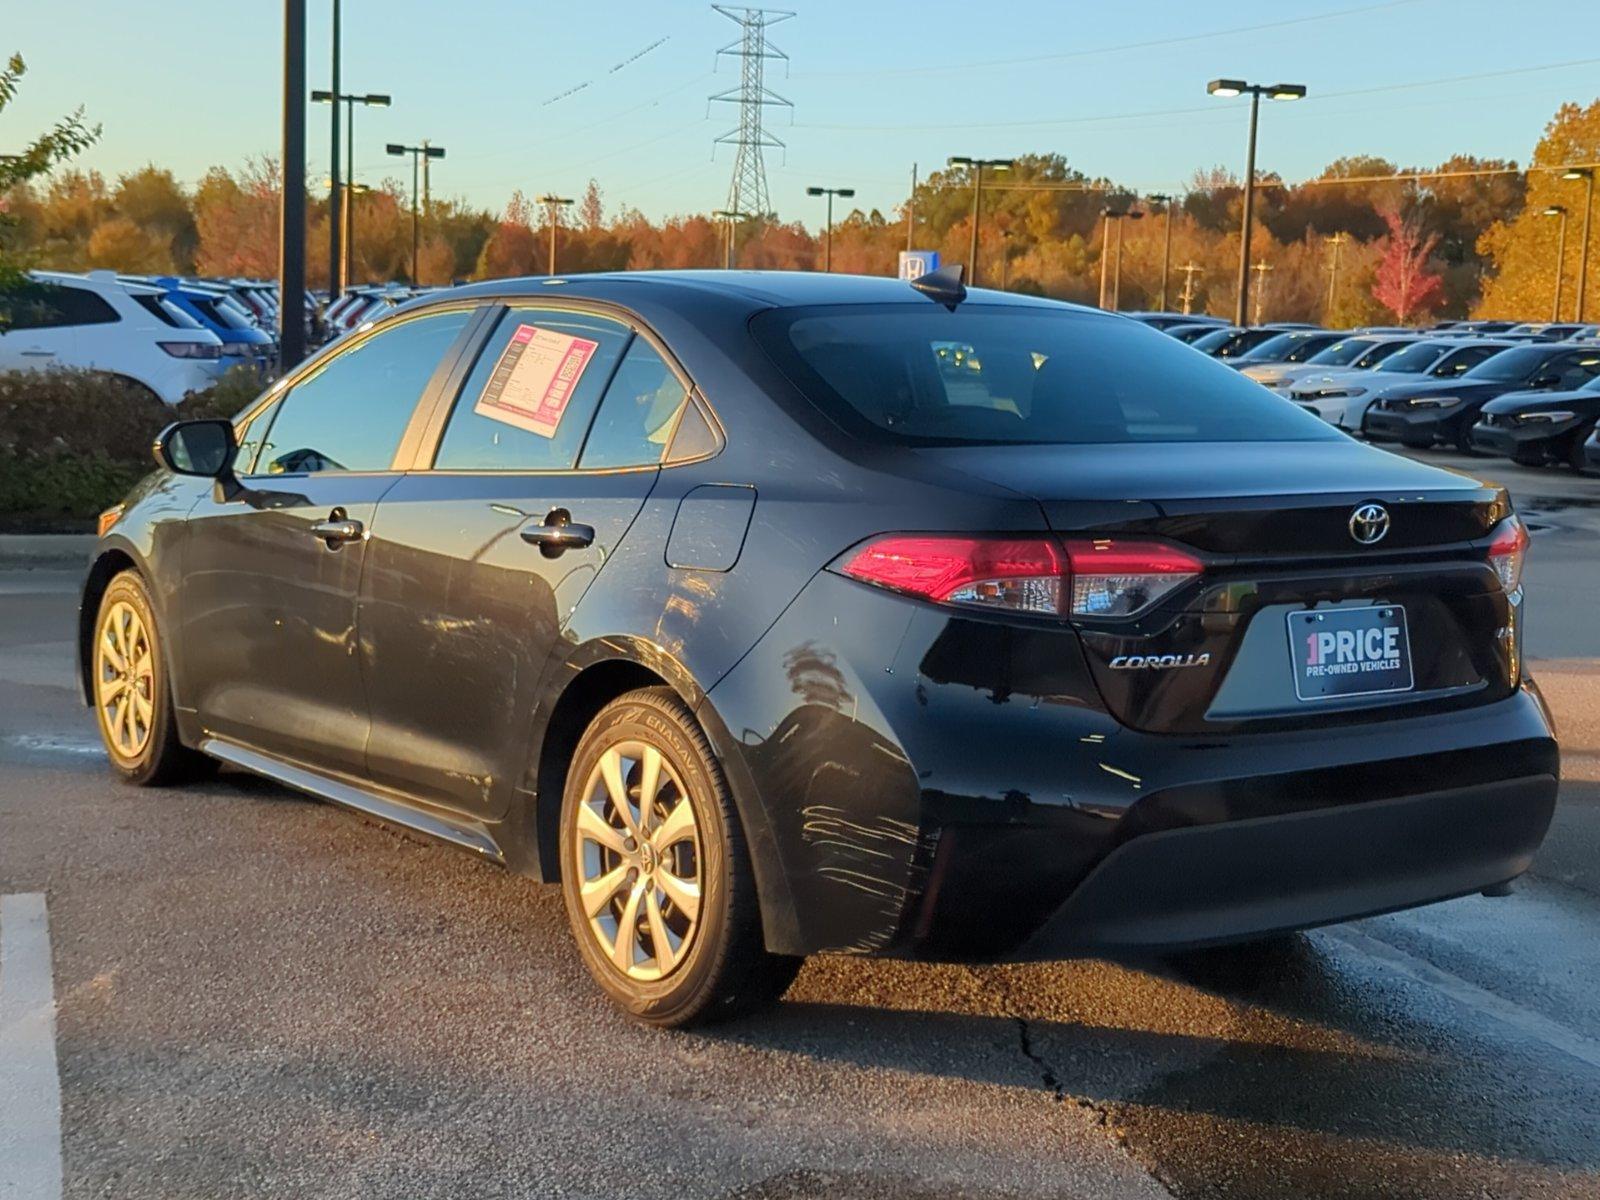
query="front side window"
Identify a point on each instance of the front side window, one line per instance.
(1377, 354)
(639, 413)
(911, 375)
(1341, 354)
(1576, 369)
(1459, 361)
(350, 411)
(529, 399)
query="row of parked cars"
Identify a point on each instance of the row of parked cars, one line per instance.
(1526, 391)
(166, 335)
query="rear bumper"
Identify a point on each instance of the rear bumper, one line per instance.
(1244, 879)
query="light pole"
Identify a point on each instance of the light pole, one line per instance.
(553, 204)
(350, 100)
(292, 208)
(418, 153)
(1336, 241)
(1555, 210)
(727, 216)
(1116, 275)
(351, 191)
(335, 249)
(1276, 91)
(1005, 259)
(976, 165)
(1587, 175)
(827, 237)
(1166, 247)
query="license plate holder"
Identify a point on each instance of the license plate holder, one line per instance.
(1343, 652)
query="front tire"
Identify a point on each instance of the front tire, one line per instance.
(655, 871)
(132, 693)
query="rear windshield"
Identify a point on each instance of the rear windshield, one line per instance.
(1000, 374)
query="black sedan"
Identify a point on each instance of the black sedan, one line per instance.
(780, 614)
(1533, 428)
(1445, 410)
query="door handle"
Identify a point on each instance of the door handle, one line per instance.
(336, 530)
(558, 533)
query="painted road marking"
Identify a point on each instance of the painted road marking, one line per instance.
(1522, 1020)
(30, 1087)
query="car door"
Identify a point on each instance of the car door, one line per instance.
(477, 562)
(42, 325)
(272, 568)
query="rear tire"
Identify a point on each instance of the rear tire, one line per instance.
(656, 873)
(133, 694)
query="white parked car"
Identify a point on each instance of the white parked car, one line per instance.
(1342, 397)
(95, 322)
(1358, 352)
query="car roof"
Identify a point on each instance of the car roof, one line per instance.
(756, 289)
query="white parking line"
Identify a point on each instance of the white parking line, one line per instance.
(30, 1088)
(1522, 1020)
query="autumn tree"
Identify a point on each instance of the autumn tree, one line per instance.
(63, 141)
(510, 249)
(1519, 250)
(1404, 282)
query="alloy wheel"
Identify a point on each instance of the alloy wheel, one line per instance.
(638, 853)
(124, 679)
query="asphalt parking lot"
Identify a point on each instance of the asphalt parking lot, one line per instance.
(259, 994)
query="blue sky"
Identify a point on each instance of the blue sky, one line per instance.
(876, 85)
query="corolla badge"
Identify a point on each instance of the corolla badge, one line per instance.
(1369, 524)
(1158, 662)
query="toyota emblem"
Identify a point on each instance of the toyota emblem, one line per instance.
(1369, 524)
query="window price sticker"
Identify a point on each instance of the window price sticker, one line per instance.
(534, 380)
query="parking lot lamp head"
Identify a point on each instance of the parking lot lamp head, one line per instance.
(1227, 88)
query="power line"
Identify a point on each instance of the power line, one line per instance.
(1179, 112)
(879, 72)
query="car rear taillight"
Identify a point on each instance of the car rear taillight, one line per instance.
(192, 349)
(1506, 552)
(1099, 577)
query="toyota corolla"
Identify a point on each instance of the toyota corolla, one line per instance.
(773, 615)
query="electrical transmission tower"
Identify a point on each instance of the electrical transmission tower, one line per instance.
(747, 194)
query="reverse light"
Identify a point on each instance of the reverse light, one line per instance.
(1099, 577)
(1506, 552)
(192, 349)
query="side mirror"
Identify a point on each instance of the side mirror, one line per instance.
(1548, 379)
(203, 448)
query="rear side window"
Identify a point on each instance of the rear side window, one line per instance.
(1458, 361)
(52, 306)
(998, 374)
(639, 413)
(350, 412)
(529, 399)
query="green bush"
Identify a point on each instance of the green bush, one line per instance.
(73, 442)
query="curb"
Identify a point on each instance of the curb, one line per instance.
(45, 549)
